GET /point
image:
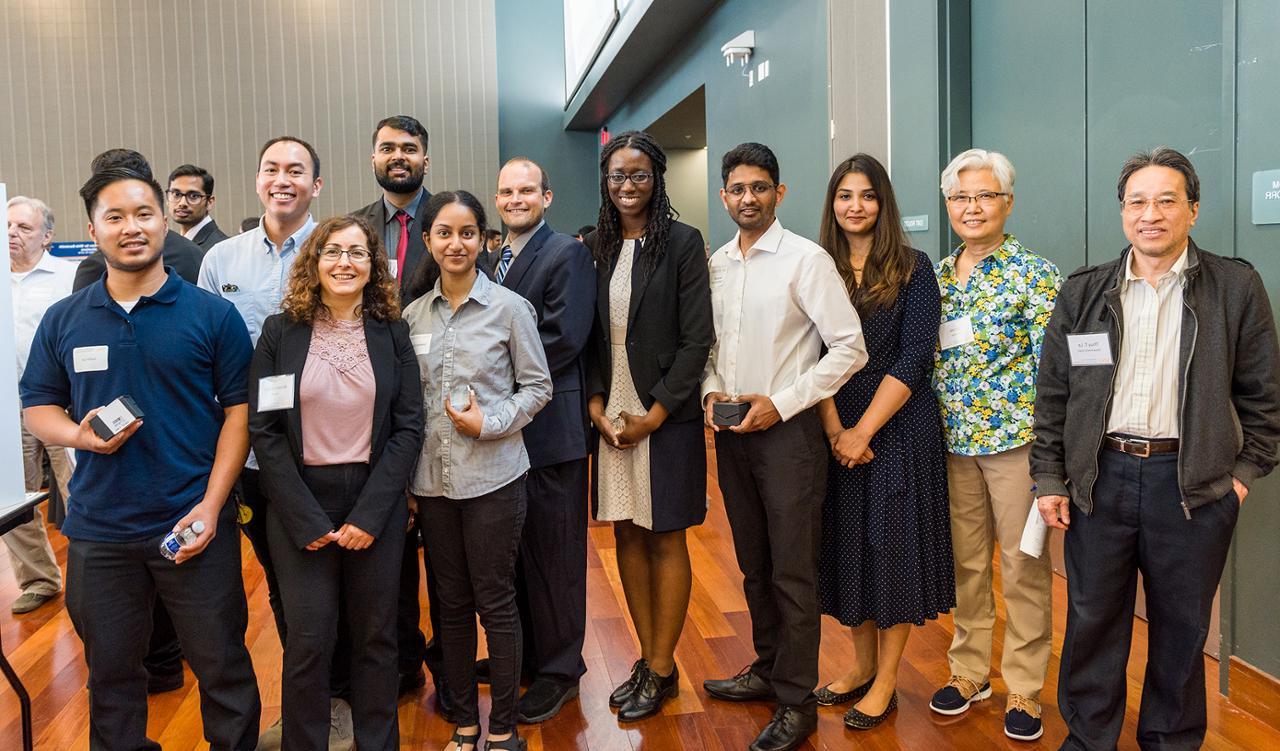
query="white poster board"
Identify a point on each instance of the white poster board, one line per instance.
(12, 485)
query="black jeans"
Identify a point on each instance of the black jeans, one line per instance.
(774, 482)
(1138, 524)
(472, 546)
(314, 587)
(110, 591)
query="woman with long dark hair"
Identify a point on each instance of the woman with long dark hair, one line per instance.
(886, 540)
(652, 334)
(336, 422)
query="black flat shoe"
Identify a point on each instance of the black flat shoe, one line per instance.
(650, 694)
(624, 691)
(862, 721)
(828, 698)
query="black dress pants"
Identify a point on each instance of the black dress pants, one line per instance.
(1138, 524)
(110, 591)
(472, 546)
(315, 586)
(773, 483)
(551, 573)
(415, 649)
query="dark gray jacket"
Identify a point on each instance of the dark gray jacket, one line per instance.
(1229, 365)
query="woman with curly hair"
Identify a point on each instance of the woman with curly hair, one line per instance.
(652, 335)
(336, 418)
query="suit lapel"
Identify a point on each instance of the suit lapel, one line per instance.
(382, 356)
(416, 253)
(639, 283)
(528, 255)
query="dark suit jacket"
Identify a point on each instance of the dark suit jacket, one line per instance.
(555, 273)
(669, 327)
(179, 252)
(415, 254)
(209, 236)
(397, 427)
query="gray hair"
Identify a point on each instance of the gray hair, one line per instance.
(38, 205)
(999, 164)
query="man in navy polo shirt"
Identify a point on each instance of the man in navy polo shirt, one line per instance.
(183, 356)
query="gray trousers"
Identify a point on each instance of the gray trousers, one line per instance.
(30, 553)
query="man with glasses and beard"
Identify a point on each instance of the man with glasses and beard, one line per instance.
(190, 200)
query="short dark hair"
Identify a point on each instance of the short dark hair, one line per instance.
(190, 170)
(546, 178)
(123, 159)
(98, 181)
(1161, 156)
(751, 154)
(586, 229)
(405, 123)
(249, 222)
(311, 151)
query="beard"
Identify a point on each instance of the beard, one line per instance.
(401, 186)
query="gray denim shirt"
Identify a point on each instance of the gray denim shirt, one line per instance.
(490, 343)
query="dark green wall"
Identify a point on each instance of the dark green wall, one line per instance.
(531, 109)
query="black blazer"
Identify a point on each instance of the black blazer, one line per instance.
(209, 236)
(555, 273)
(669, 326)
(414, 254)
(179, 252)
(397, 427)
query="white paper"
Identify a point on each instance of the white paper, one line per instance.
(1033, 533)
(1089, 349)
(275, 392)
(421, 344)
(955, 332)
(89, 359)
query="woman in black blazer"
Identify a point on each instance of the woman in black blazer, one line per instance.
(335, 416)
(651, 338)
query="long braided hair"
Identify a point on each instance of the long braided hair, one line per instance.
(608, 241)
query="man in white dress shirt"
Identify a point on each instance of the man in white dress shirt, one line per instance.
(777, 300)
(39, 280)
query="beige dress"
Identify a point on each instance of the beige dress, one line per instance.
(624, 474)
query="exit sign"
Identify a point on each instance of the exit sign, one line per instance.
(1266, 197)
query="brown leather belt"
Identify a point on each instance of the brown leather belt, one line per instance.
(1142, 447)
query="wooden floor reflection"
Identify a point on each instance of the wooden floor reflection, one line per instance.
(46, 652)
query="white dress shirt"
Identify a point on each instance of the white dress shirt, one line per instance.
(191, 233)
(33, 292)
(1146, 397)
(774, 309)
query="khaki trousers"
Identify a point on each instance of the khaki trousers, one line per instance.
(30, 553)
(990, 499)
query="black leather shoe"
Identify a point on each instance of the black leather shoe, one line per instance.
(745, 686)
(788, 729)
(543, 700)
(624, 691)
(651, 692)
(410, 682)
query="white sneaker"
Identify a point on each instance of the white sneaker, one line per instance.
(270, 739)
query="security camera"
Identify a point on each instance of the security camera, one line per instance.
(740, 47)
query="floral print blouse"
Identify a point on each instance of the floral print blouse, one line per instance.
(987, 387)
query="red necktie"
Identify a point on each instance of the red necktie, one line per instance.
(403, 245)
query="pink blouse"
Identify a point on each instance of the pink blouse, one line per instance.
(336, 395)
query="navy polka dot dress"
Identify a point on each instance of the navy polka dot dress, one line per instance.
(886, 533)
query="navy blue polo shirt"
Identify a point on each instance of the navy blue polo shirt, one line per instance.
(183, 355)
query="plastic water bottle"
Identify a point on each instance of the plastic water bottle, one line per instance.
(176, 540)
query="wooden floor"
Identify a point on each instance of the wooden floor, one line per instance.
(716, 643)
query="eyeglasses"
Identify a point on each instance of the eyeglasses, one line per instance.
(192, 196)
(738, 190)
(985, 199)
(1163, 204)
(637, 178)
(357, 255)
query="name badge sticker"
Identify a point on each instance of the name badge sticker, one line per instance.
(1089, 349)
(89, 359)
(393, 268)
(956, 332)
(421, 344)
(275, 393)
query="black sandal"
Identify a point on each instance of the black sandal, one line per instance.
(513, 743)
(459, 739)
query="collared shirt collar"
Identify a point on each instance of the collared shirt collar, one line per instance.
(769, 242)
(481, 289)
(517, 242)
(168, 292)
(47, 263)
(291, 243)
(1178, 270)
(411, 209)
(191, 233)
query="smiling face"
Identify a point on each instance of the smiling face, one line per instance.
(343, 277)
(1154, 231)
(520, 198)
(454, 239)
(751, 198)
(399, 161)
(979, 225)
(286, 183)
(856, 205)
(128, 225)
(631, 200)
